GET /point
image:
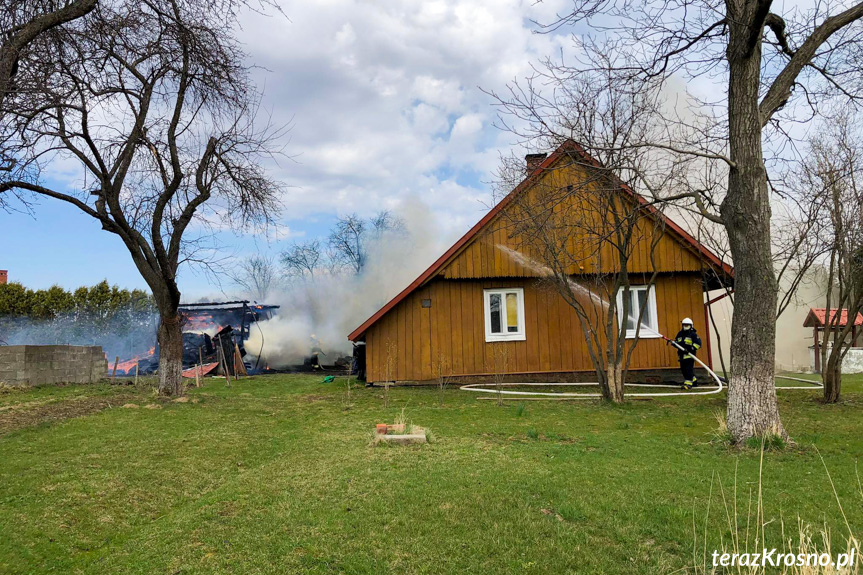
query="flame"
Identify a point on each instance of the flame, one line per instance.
(126, 367)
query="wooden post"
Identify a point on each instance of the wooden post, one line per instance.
(239, 366)
(223, 361)
(234, 353)
(817, 351)
(199, 373)
(228, 373)
(136, 374)
(114, 373)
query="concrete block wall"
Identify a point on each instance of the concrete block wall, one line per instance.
(47, 364)
(853, 362)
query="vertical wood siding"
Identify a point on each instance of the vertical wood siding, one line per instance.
(482, 257)
(415, 339)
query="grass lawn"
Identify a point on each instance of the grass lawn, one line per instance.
(276, 475)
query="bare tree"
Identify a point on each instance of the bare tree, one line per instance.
(24, 22)
(24, 27)
(583, 222)
(443, 369)
(500, 369)
(771, 65)
(797, 248)
(257, 275)
(302, 260)
(579, 226)
(349, 240)
(829, 180)
(385, 221)
(152, 100)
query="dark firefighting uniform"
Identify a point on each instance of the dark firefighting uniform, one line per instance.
(687, 339)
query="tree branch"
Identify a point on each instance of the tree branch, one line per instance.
(18, 39)
(43, 191)
(777, 26)
(780, 90)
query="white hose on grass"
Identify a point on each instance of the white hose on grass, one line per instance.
(812, 384)
(476, 387)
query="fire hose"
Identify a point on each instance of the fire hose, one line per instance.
(476, 387)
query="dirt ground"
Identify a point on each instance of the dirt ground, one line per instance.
(29, 413)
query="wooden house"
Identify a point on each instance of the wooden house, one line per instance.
(482, 295)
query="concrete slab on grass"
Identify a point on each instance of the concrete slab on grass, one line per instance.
(417, 435)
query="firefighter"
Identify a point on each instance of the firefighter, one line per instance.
(688, 339)
(315, 358)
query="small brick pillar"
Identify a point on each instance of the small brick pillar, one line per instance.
(533, 161)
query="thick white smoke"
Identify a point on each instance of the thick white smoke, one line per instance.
(329, 307)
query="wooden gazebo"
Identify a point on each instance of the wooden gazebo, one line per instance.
(818, 320)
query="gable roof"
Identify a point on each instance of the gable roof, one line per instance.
(568, 147)
(817, 317)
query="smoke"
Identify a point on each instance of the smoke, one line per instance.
(546, 271)
(318, 312)
(125, 334)
(322, 311)
(283, 340)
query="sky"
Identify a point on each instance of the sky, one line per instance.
(388, 111)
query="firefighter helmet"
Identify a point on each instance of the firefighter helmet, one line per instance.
(686, 321)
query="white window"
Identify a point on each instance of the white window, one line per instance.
(640, 298)
(504, 314)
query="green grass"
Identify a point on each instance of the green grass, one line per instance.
(277, 475)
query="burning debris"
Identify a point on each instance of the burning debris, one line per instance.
(214, 332)
(227, 336)
(318, 307)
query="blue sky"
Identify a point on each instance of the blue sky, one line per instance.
(387, 112)
(58, 244)
(61, 245)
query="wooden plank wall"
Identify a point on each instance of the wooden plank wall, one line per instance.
(414, 339)
(482, 258)
(576, 213)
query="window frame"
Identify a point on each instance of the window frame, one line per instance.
(490, 337)
(646, 332)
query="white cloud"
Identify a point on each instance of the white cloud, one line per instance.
(387, 110)
(386, 101)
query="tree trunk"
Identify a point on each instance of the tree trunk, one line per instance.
(170, 355)
(602, 380)
(752, 406)
(614, 377)
(831, 377)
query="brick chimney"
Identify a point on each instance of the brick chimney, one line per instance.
(3, 276)
(534, 161)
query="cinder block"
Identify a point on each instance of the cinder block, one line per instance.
(48, 364)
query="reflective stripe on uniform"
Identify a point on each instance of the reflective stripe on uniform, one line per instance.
(688, 341)
(696, 346)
